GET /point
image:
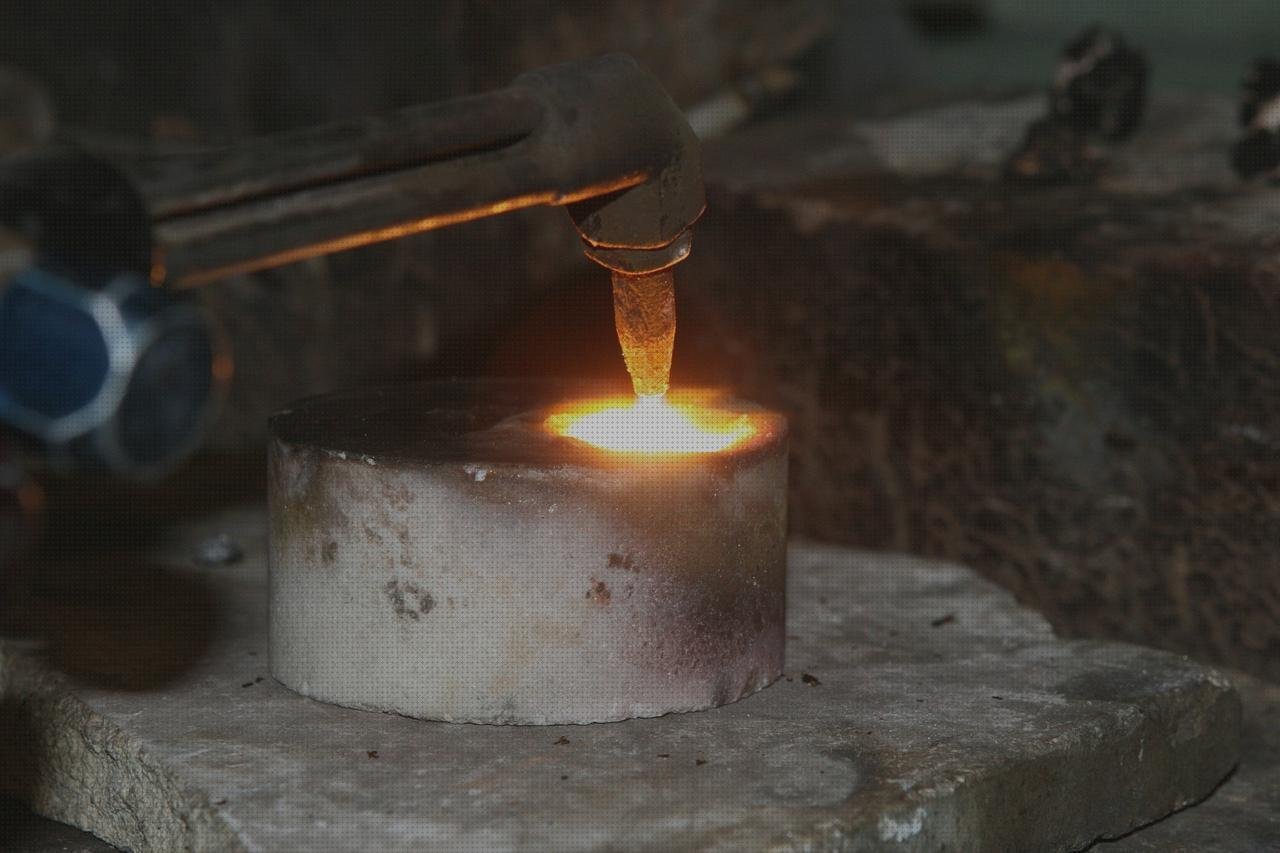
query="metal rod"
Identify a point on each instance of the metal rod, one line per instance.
(600, 130)
(197, 249)
(185, 184)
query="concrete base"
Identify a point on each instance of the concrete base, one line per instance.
(921, 708)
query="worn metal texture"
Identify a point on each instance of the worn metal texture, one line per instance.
(599, 135)
(436, 553)
(280, 163)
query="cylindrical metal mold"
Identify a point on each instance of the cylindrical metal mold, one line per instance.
(435, 552)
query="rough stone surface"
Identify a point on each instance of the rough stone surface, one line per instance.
(922, 707)
(1244, 813)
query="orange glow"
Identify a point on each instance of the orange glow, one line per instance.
(223, 367)
(676, 424)
(30, 498)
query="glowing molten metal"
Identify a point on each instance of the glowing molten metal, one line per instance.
(678, 423)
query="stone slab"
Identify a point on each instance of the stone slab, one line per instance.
(922, 709)
(1243, 814)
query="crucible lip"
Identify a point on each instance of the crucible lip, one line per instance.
(491, 422)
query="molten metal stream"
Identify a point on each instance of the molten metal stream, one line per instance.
(654, 422)
(678, 423)
(644, 311)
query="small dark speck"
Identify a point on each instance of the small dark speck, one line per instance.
(664, 755)
(810, 680)
(408, 600)
(599, 592)
(247, 684)
(1001, 698)
(699, 762)
(919, 700)
(789, 678)
(258, 680)
(564, 776)
(253, 654)
(562, 741)
(943, 620)
(373, 753)
(621, 561)
(221, 802)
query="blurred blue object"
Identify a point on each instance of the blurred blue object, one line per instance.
(121, 376)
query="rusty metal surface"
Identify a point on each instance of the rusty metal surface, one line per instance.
(600, 135)
(414, 136)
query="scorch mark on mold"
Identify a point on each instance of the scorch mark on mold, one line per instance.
(599, 592)
(623, 561)
(408, 600)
